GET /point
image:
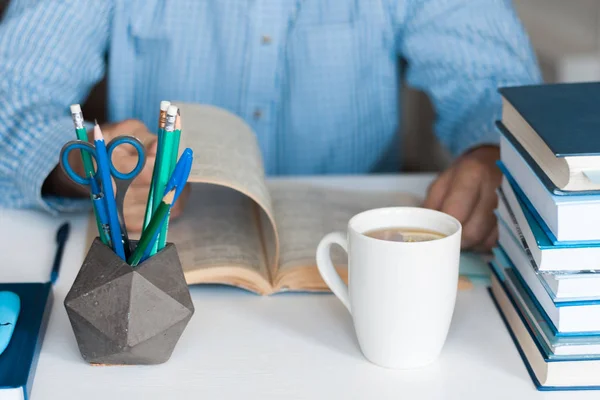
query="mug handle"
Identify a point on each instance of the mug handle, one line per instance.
(328, 271)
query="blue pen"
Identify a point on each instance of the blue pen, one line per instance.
(61, 239)
(177, 181)
(109, 197)
(180, 174)
(98, 200)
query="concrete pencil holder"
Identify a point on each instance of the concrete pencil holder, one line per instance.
(128, 316)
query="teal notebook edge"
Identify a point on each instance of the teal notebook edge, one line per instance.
(475, 268)
(537, 171)
(18, 363)
(564, 115)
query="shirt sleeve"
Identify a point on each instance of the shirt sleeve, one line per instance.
(460, 52)
(51, 54)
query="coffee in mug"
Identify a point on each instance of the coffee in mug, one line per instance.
(405, 234)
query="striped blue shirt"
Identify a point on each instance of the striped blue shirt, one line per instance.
(317, 80)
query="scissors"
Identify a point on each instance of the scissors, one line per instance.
(122, 180)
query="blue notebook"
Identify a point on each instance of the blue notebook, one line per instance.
(18, 362)
(550, 186)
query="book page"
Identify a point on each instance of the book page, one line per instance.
(226, 153)
(218, 239)
(305, 213)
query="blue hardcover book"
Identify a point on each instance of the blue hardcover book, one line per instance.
(558, 258)
(557, 125)
(18, 362)
(563, 288)
(535, 167)
(544, 238)
(578, 216)
(554, 347)
(569, 270)
(569, 218)
(547, 374)
(570, 318)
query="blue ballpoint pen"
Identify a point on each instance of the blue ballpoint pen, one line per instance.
(180, 174)
(61, 239)
(177, 181)
(99, 206)
(109, 197)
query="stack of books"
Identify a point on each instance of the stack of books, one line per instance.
(546, 280)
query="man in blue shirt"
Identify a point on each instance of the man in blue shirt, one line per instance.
(317, 80)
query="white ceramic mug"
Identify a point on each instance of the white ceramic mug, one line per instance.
(401, 294)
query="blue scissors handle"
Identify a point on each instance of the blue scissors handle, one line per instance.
(91, 149)
(64, 160)
(139, 148)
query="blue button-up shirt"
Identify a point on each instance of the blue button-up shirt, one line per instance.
(317, 80)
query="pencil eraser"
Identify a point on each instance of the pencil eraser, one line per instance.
(164, 105)
(172, 110)
(75, 108)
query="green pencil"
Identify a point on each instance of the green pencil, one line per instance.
(164, 162)
(164, 105)
(149, 233)
(88, 165)
(162, 238)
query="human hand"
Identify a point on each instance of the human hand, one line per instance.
(467, 191)
(124, 158)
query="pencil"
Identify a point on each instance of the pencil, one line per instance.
(162, 238)
(162, 118)
(176, 139)
(177, 182)
(88, 165)
(164, 161)
(81, 132)
(149, 234)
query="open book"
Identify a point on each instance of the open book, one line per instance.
(238, 229)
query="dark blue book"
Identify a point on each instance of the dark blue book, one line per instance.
(572, 218)
(540, 174)
(534, 215)
(547, 373)
(18, 362)
(564, 318)
(555, 346)
(558, 125)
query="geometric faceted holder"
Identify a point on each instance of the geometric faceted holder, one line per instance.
(123, 315)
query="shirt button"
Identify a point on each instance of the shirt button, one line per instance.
(266, 39)
(257, 113)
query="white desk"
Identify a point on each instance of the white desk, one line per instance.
(291, 346)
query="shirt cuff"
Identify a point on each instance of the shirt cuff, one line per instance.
(479, 129)
(43, 157)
